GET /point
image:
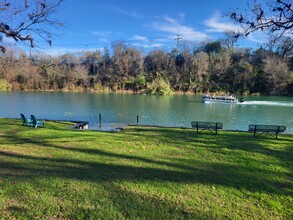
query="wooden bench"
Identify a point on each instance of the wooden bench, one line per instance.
(261, 129)
(211, 126)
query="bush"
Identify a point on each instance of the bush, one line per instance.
(98, 86)
(4, 85)
(141, 80)
(129, 84)
(159, 86)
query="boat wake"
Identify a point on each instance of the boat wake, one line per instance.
(275, 103)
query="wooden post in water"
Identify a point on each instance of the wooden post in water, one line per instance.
(100, 120)
(137, 120)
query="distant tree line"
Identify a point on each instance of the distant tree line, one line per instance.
(210, 67)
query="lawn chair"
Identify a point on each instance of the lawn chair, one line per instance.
(26, 121)
(37, 123)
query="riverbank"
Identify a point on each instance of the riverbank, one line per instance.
(102, 91)
(158, 173)
(107, 90)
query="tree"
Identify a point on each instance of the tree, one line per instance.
(285, 47)
(91, 60)
(26, 20)
(202, 61)
(213, 47)
(272, 17)
(277, 74)
(229, 40)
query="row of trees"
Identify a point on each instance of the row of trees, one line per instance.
(210, 67)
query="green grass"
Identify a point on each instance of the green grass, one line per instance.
(142, 173)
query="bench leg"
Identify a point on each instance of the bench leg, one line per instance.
(216, 128)
(277, 132)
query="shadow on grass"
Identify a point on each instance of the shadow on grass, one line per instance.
(126, 204)
(231, 140)
(29, 167)
(180, 170)
(141, 206)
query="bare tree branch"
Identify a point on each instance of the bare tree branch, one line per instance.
(272, 17)
(26, 20)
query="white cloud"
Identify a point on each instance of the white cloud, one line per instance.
(8, 40)
(215, 25)
(172, 26)
(139, 38)
(104, 40)
(148, 45)
(60, 50)
(132, 14)
(128, 13)
(164, 40)
(258, 37)
(181, 16)
(156, 45)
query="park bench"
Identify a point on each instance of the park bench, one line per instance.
(82, 125)
(268, 129)
(211, 126)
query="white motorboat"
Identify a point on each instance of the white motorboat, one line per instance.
(220, 99)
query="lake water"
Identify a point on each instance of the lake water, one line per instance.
(120, 109)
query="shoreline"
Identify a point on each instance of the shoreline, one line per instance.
(111, 129)
(137, 93)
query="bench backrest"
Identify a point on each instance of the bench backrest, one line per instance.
(34, 119)
(23, 118)
(208, 125)
(267, 128)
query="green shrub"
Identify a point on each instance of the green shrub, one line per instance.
(159, 86)
(98, 86)
(4, 85)
(129, 84)
(141, 80)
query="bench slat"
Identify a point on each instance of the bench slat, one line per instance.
(202, 125)
(267, 128)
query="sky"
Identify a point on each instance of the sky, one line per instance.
(145, 24)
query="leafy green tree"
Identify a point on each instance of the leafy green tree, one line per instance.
(213, 47)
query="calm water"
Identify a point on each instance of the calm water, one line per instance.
(152, 110)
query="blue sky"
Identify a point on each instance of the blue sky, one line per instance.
(148, 24)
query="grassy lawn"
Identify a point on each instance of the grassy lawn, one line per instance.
(142, 173)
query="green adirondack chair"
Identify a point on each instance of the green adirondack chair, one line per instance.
(26, 121)
(37, 123)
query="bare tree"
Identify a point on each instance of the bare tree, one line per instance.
(276, 74)
(26, 20)
(270, 16)
(229, 40)
(202, 61)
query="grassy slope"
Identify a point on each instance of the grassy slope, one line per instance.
(154, 173)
